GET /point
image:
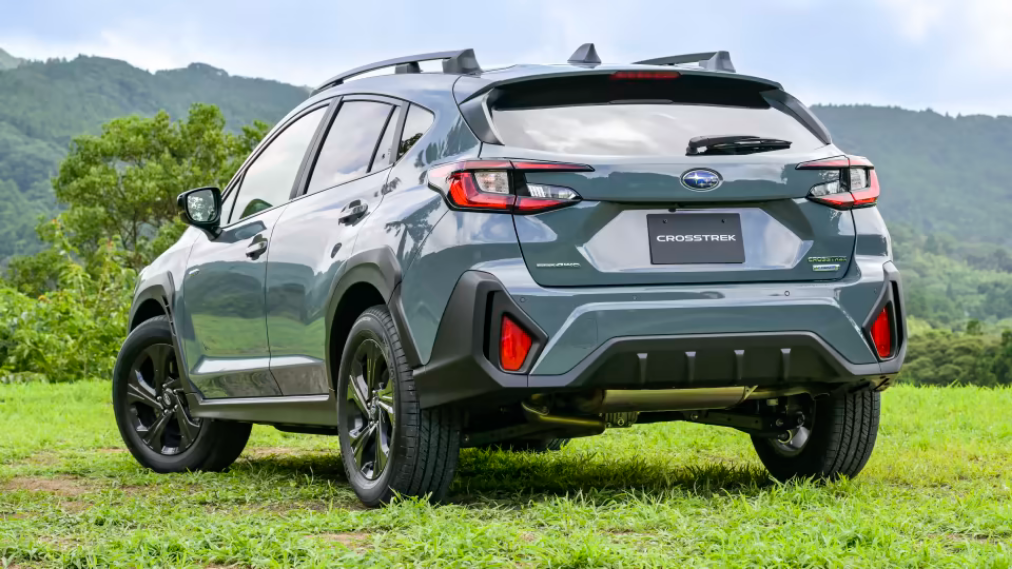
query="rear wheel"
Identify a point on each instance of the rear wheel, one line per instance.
(152, 413)
(388, 444)
(836, 439)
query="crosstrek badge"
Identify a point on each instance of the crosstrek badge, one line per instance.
(695, 238)
(683, 238)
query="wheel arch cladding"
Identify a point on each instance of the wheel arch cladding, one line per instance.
(150, 302)
(370, 278)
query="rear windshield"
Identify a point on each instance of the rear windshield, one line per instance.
(626, 118)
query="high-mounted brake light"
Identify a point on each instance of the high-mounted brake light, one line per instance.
(882, 334)
(514, 344)
(646, 75)
(499, 185)
(851, 182)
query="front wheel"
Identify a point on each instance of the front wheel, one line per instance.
(835, 440)
(153, 416)
(388, 443)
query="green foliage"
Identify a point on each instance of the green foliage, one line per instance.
(44, 104)
(941, 357)
(934, 494)
(75, 330)
(63, 311)
(124, 182)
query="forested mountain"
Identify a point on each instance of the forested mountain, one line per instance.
(8, 61)
(944, 179)
(44, 104)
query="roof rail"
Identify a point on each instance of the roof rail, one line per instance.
(712, 60)
(585, 56)
(459, 62)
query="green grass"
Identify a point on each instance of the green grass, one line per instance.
(936, 492)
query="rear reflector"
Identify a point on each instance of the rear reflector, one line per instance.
(514, 344)
(882, 334)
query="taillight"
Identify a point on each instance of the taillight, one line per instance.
(850, 182)
(500, 185)
(514, 345)
(882, 334)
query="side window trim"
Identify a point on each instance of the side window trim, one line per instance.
(376, 147)
(236, 184)
(313, 155)
(321, 135)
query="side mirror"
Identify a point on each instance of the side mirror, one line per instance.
(201, 208)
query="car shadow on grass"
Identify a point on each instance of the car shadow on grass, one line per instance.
(505, 477)
(494, 472)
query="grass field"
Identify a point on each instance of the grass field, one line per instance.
(936, 492)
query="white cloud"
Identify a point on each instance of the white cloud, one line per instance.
(974, 33)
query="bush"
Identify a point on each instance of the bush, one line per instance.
(72, 333)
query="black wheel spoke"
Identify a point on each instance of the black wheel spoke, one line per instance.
(358, 392)
(370, 391)
(153, 435)
(138, 392)
(160, 357)
(385, 401)
(359, 442)
(373, 360)
(187, 430)
(154, 392)
(382, 450)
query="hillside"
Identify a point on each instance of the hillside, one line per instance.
(44, 104)
(940, 174)
(944, 178)
(8, 61)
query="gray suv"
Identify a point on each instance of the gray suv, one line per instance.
(419, 262)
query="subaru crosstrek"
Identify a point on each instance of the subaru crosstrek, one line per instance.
(419, 262)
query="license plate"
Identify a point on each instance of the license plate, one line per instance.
(686, 238)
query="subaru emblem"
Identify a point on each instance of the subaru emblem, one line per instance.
(701, 180)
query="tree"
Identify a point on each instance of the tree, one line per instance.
(123, 184)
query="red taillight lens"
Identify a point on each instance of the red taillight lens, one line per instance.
(514, 345)
(488, 185)
(882, 334)
(855, 184)
(464, 192)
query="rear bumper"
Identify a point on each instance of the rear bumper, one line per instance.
(780, 336)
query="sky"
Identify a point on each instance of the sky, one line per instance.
(953, 56)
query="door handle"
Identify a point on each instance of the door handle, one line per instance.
(256, 248)
(353, 211)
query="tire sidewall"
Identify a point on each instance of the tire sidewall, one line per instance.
(370, 492)
(148, 333)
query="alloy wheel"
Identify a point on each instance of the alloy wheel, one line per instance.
(372, 413)
(156, 402)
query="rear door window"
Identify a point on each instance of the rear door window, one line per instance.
(350, 145)
(269, 179)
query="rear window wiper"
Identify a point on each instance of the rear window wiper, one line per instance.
(734, 144)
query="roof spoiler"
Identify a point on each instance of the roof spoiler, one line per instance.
(459, 62)
(710, 60)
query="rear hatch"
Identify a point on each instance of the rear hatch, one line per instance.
(658, 207)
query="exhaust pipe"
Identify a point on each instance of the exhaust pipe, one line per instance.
(646, 400)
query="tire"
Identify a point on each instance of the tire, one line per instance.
(840, 437)
(421, 446)
(152, 413)
(530, 445)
